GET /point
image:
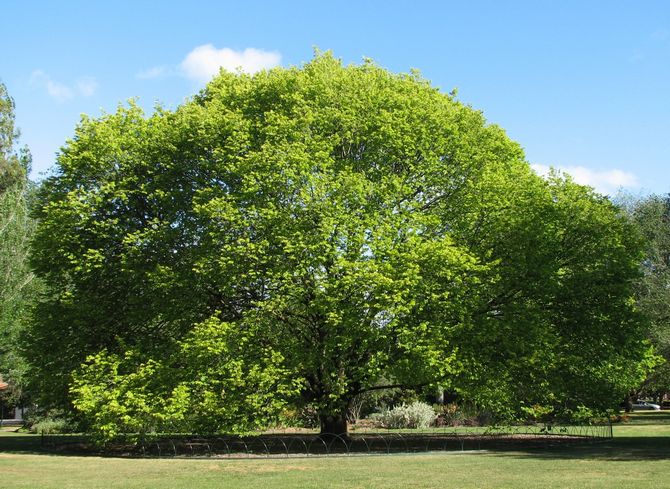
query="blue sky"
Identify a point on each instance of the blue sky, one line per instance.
(581, 85)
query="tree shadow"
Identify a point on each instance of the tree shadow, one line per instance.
(621, 449)
(31, 444)
(14, 443)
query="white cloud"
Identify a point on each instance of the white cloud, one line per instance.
(87, 86)
(204, 62)
(61, 92)
(154, 72)
(604, 181)
(57, 91)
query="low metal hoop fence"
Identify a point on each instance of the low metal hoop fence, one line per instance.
(305, 443)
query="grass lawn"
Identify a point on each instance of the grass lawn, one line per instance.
(638, 456)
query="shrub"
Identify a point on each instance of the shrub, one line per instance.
(305, 417)
(51, 426)
(414, 415)
(619, 418)
(449, 414)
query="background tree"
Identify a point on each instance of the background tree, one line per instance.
(17, 285)
(652, 216)
(13, 165)
(346, 223)
(560, 322)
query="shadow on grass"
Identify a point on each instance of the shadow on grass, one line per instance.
(20, 443)
(643, 418)
(621, 448)
(32, 444)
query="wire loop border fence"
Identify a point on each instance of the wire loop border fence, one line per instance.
(286, 444)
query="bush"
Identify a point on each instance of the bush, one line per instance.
(51, 426)
(449, 415)
(465, 414)
(380, 400)
(414, 415)
(305, 417)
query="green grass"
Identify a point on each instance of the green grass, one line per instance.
(638, 456)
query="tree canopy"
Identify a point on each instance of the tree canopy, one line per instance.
(291, 237)
(17, 287)
(652, 216)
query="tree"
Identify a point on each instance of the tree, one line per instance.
(561, 324)
(17, 285)
(348, 225)
(652, 216)
(13, 165)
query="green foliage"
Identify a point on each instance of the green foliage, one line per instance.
(657, 382)
(116, 402)
(13, 165)
(18, 289)
(304, 417)
(214, 381)
(51, 426)
(651, 215)
(337, 225)
(560, 329)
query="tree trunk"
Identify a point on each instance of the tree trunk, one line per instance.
(629, 403)
(333, 425)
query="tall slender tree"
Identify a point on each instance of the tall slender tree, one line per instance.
(16, 228)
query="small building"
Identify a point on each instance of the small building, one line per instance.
(9, 416)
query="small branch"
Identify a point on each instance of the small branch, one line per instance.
(390, 386)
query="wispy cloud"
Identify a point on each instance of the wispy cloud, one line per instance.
(56, 90)
(154, 72)
(661, 35)
(604, 181)
(87, 86)
(61, 92)
(203, 62)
